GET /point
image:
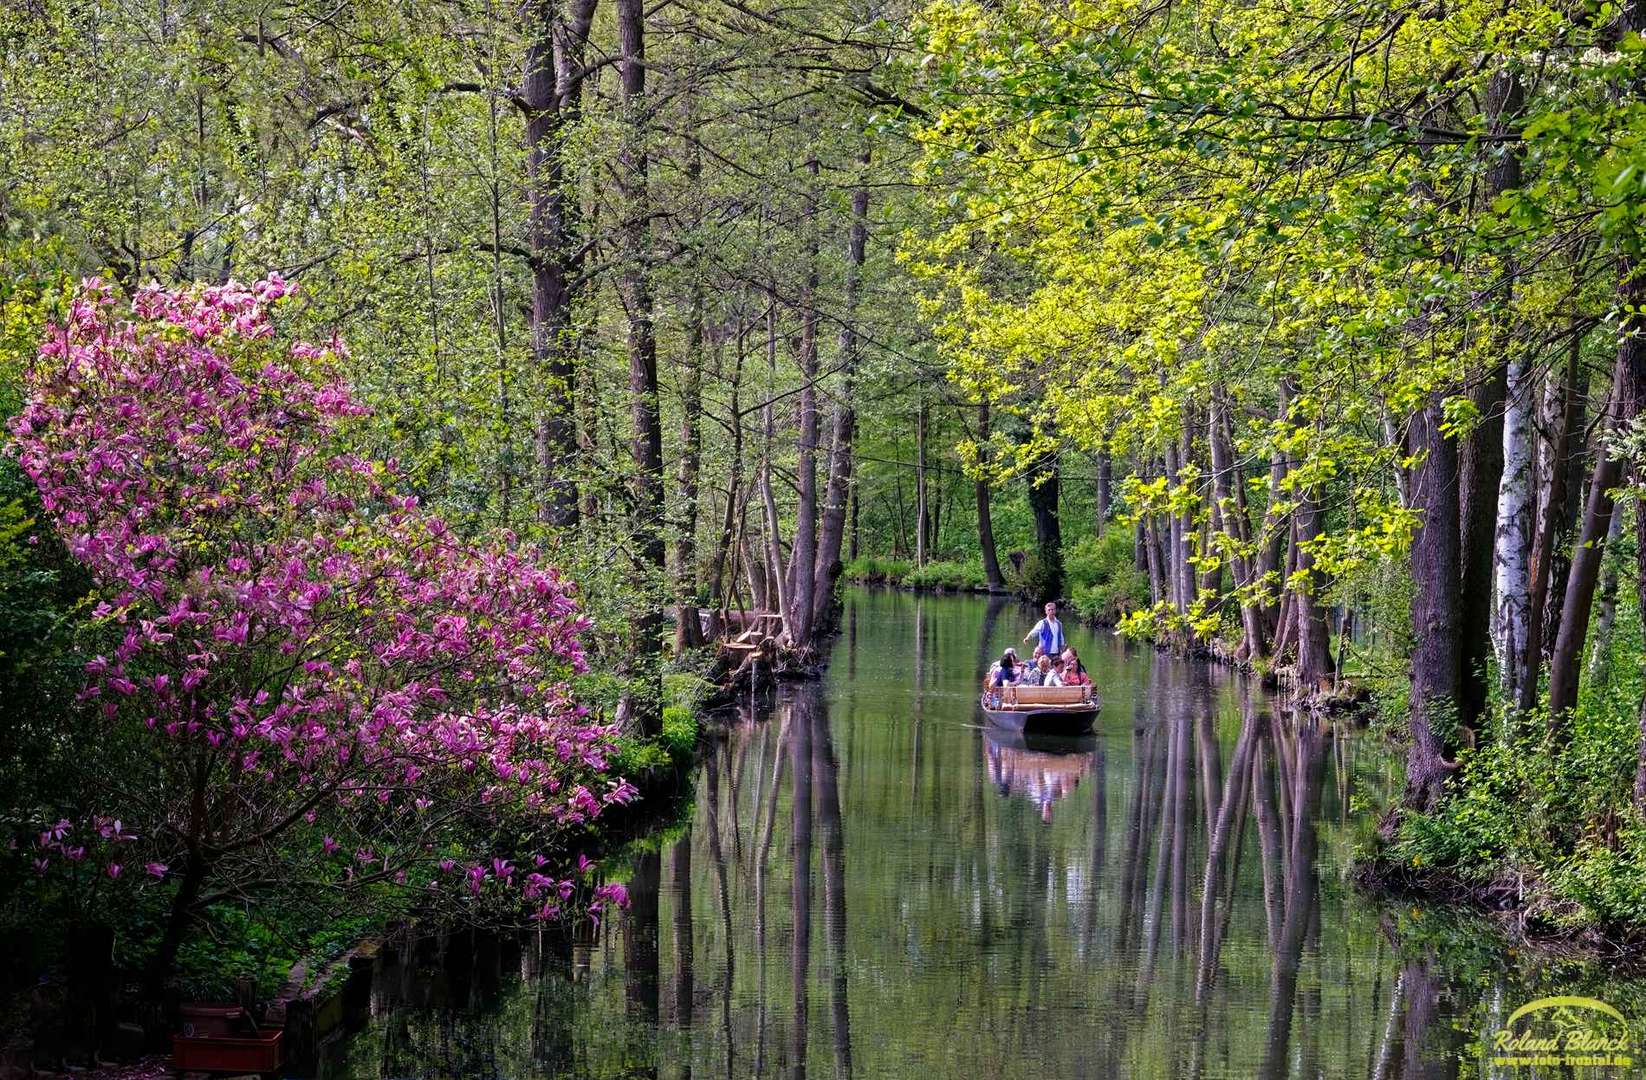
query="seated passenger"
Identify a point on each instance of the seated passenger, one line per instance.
(1038, 675)
(1074, 672)
(1006, 673)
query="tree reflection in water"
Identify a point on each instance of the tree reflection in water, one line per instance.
(1164, 899)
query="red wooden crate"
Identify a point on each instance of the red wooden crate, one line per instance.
(227, 1053)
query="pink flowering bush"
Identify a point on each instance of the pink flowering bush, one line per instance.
(327, 689)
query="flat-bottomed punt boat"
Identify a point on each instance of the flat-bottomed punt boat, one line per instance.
(1042, 710)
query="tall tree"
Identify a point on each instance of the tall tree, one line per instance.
(551, 99)
(844, 425)
(644, 706)
(1436, 658)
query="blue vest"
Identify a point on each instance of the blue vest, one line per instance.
(1051, 637)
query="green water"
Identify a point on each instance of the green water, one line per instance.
(873, 885)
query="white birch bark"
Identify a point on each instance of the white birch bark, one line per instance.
(1511, 574)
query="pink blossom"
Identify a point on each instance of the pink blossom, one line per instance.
(203, 473)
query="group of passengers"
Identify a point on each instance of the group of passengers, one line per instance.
(1064, 669)
(1054, 663)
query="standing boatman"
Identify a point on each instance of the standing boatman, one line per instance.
(1050, 632)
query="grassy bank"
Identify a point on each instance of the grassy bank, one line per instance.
(1100, 581)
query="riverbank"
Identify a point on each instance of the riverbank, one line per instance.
(1523, 912)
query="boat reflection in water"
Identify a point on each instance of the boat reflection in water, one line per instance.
(1043, 769)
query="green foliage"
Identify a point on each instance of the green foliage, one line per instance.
(947, 574)
(674, 748)
(41, 615)
(1103, 580)
(1608, 877)
(873, 570)
(1041, 578)
(263, 942)
(679, 737)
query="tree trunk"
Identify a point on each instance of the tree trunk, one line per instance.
(644, 713)
(1105, 489)
(840, 486)
(1563, 448)
(723, 554)
(1175, 590)
(1568, 513)
(1151, 553)
(922, 513)
(1482, 464)
(1566, 661)
(802, 573)
(1511, 551)
(775, 575)
(1043, 498)
(1188, 584)
(1436, 656)
(689, 632)
(1314, 650)
(1600, 638)
(985, 512)
(1480, 470)
(856, 533)
(1271, 537)
(551, 93)
(191, 880)
(1512, 583)
(1229, 494)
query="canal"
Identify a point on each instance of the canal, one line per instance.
(868, 883)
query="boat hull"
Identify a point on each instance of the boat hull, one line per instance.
(1044, 719)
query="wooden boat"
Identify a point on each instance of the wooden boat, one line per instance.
(1042, 710)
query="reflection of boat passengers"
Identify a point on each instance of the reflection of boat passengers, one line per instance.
(1050, 632)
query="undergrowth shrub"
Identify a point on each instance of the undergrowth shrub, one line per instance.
(876, 570)
(947, 574)
(1103, 581)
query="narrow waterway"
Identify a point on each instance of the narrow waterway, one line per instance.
(871, 884)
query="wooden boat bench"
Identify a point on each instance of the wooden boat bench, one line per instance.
(1012, 696)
